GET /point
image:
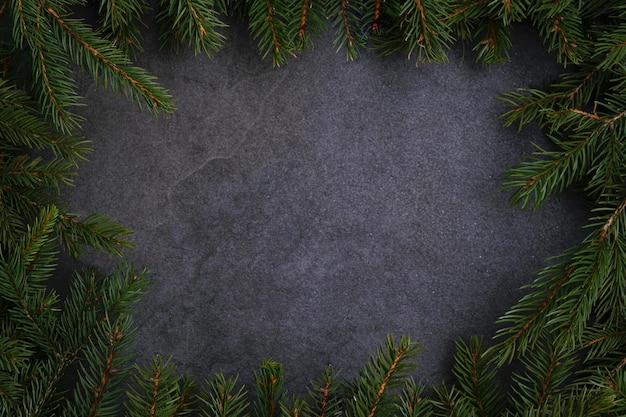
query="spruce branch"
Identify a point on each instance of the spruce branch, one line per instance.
(157, 391)
(221, 399)
(90, 333)
(51, 85)
(103, 370)
(387, 370)
(121, 19)
(413, 403)
(96, 231)
(421, 29)
(268, 23)
(348, 23)
(549, 172)
(295, 408)
(574, 90)
(610, 48)
(192, 23)
(107, 64)
(475, 374)
(604, 341)
(311, 20)
(325, 399)
(22, 127)
(269, 389)
(527, 319)
(588, 145)
(93, 302)
(23, 172)
(547, 371)
(489, 22)
(449, 402)
(495, 42)
(561, 26)
(569, 293)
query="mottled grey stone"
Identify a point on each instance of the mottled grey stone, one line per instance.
(302, 213)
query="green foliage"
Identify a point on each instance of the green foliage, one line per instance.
(157, 391)
(388, 370)
(71, 354)
(61, 356)
(30, 183)
(119, 20)
(220, 399)
(268, 24)
(193, 24)
(47, 38)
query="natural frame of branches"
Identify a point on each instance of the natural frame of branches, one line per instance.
(72, 355)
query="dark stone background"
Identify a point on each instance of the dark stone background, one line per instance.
(303, 213)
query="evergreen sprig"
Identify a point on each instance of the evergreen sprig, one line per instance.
(121, 20)
(69, 354)
(222, 398)
(29, 183)
(157, 391)
(61, 357)
(269, 25)
(191, 24)
(388, 369)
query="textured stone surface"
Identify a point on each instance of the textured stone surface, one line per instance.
(303, 213)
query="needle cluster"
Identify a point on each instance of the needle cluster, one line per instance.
(70, 352)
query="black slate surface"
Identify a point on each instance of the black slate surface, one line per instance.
(303, 213)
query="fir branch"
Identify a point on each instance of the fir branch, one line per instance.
(99, 57)
(21, 126)
(122, 19)
(20, 205)
(546, 372)
(574, 90)
(23, 172)
(268, 23)
(103, 369)
(295, 409)
(311, 20)
(585, 137)
(573, 296)
(95, 329)
(610, 49)
(52, 87)
(529, 105)
(378, 5)
(115, 335)
(269, 389)
(538, 178)
(387, 369)
(476, 377)
(449, 402)
(157, 391)
(36, 238)
(561, 26)
(222, 400)
(347, 22)
(529, 316)
(325, 399)
(412, 401)
(496, 42)
(420, 28)
(97, 231)
(488, 21)
(192, 23)
(24, 268)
